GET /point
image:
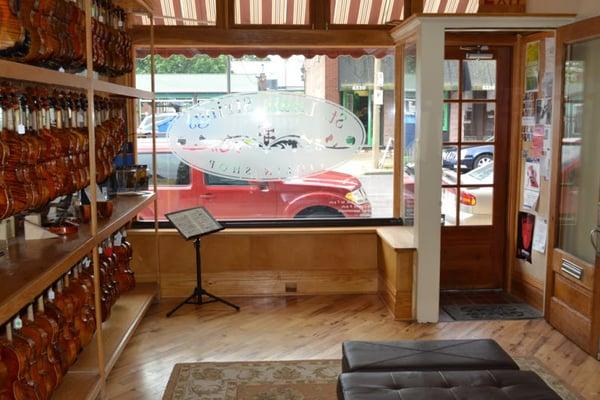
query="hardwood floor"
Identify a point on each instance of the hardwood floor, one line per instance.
(313, 327)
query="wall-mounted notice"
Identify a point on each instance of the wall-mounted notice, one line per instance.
(543, 111)
(546, 161)
(540, 235)
(530, 199)
(532, 175)
(525, 235)
(537, 144)
(532, 66)
(531, 185)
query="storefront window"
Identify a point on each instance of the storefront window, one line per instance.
(272, 138)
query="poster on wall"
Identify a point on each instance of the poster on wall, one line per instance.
(532, 66)
(531, 185)
(543, 111)
(525, 235)
(546, 161)
(529, 109)
(540, 234)
(532, 175)
(537, 144)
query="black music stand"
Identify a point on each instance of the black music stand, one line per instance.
(193, 223)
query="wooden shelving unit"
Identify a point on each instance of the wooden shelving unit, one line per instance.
(125, 316)
(31, 73)
(120, 90)
(83, 381)
(80, 386)
(30, 267)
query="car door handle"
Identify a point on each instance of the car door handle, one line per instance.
(207, 196)
(595, 239)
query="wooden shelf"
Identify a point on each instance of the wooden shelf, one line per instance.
(120, 90)
(30, 73)
(124, 209)
(29, 267)
(125, 316)
(80, 386)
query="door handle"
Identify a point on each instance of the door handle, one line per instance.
(594, 238)
(207, 196)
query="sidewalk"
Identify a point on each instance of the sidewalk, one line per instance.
(362, 164)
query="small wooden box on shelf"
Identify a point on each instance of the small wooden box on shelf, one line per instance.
(29, 268)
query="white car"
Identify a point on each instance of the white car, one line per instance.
(476, 203)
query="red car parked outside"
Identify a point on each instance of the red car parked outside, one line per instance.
(327, 194)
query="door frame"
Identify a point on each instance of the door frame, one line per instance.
(569, 34)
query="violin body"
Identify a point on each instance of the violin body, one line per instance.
(51, 33)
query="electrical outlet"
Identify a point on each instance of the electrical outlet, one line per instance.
(291, 287)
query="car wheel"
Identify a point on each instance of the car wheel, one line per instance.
(482, 160)
(319, 212)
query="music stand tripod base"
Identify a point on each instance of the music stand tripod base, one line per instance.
(196, 296)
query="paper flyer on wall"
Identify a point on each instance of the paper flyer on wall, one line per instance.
(532, 175)
(532, 67)
(530, 199)
(540, 235)
(525, 235)
(537, 143)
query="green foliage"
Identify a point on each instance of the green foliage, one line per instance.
(179, 64)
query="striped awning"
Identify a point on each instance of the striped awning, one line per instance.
(296, 12)
(451, 6)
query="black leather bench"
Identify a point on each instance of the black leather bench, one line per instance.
(444, 385)
(435, 369)
(425, 355)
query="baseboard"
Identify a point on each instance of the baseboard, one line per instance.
(528, 289)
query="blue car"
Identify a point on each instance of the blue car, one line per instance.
(471, 157)
(163, 123)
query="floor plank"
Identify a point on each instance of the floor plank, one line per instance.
(313, 327)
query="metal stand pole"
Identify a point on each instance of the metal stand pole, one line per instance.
(198, 293)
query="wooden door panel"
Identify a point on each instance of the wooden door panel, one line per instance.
(570, 323)
(469, 262)
(573, 295)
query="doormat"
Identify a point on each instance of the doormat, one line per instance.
(286, 380)
(470, 312)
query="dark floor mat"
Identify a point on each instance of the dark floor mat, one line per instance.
(470, 312)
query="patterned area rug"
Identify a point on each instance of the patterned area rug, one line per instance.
(491, 311)
(284, 380)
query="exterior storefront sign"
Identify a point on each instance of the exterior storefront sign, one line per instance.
(266, 136)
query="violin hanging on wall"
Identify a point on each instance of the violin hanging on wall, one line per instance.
(51, 33)
(44, 145)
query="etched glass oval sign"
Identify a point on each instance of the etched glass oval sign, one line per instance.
(266, 136)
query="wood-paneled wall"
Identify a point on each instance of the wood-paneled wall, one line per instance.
(245, 262)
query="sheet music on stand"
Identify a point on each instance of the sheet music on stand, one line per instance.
(194, 222)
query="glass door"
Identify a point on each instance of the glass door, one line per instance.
(573, 279)
(474, 166)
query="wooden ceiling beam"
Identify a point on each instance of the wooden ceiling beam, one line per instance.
(211, 37)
